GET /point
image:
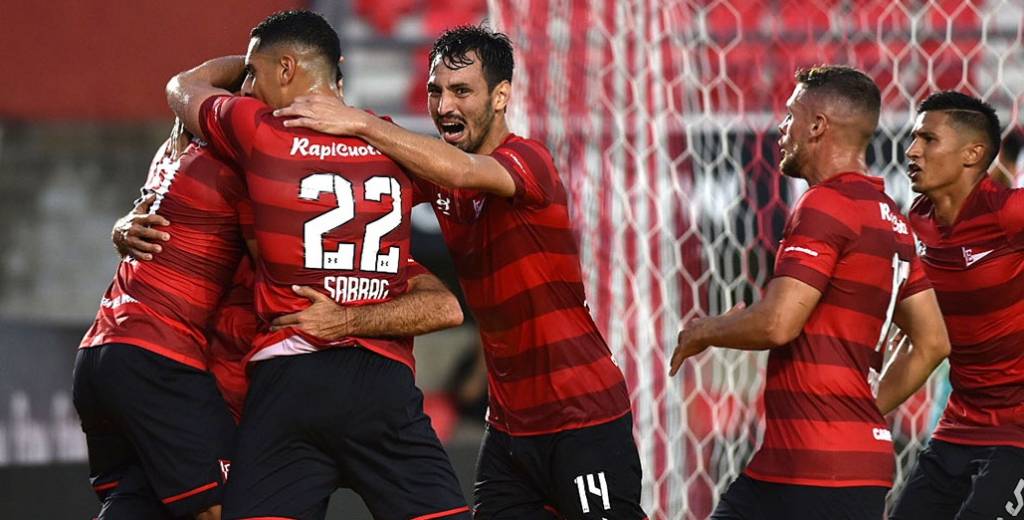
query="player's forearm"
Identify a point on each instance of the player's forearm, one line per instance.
(426, 157)
(754, 328)
(187, 90)
(906, 374)
(421, 310)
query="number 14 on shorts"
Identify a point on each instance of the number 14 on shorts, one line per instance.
(593, 484)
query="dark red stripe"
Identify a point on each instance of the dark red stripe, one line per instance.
(787, 404)
(529, 304)
(545, 359)
(829, 350)
(513, 246)
(982, 301)
(824, 465)
(608, 403)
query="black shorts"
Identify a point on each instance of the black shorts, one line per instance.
(342, 417)
(587, 473)
(751, 499)
(157, 430)
(964, 482)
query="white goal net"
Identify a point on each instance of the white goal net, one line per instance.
(661, 116)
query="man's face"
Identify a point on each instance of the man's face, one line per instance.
(935, 154)
(261, 72)
(460, 103)
(792, 141)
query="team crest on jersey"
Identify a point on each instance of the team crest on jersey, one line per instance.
(970, 256)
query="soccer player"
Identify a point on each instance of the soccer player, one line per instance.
(845, 269)
(330, 213)
(972, 232)
(559, 440)
(126, 482)
(157, 430)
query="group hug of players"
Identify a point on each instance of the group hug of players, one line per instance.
(261, 321)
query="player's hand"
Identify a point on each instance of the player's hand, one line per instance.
(688, 345)
(690, 342)
(327, 114)
(133, 234)
(323, 318)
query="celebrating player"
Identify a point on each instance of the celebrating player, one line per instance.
(559, 438)
(333, 214)
(972, 231)
(845, 268)
(157, 430)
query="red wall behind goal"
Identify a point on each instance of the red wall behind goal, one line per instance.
(94, 60)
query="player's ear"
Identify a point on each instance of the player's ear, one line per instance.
(287, 68)
(500, 95)
(973, 154)
(818, 126)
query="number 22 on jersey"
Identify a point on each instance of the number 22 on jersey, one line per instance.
(343, 258)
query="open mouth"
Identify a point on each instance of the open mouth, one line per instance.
(913, 170)
(453, 132)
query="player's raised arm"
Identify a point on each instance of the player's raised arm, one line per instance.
(426, 157)
(919, 317)
(772, 322)
(187, 91)
(427, 306)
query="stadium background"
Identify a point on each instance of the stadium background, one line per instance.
(661, 116)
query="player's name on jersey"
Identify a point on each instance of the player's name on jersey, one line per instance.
(302, 146)
(345, 289)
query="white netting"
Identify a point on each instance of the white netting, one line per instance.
(661, 116)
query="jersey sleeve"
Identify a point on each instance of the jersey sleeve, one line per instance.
(917, 281)
(532, 170)
(815, 238)
(229, 124)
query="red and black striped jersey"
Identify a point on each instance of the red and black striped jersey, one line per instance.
(165, 304)
(977, 268)
(231, 334)
(549, 369)
(847, 239)
(329, 212)
(233, 330)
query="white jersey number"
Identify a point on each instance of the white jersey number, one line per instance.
(900, 274)
(371, 259)
(597, 485)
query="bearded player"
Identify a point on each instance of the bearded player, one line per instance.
(559, 437)
(333, 214)
(846, 269)
(972, 232)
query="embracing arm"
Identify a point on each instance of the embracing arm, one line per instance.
(772, 322)
(427, 306)
(426, 157)
(187, 91)
(919, 317)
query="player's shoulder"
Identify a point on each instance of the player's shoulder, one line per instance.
(520, 145)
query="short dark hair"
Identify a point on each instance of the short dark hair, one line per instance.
(846, 83)
(967, 112)
(303, 28)
(493, 48)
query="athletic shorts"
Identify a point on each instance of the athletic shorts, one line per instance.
(964, 482)
(586, 473)
(150, 421)
(751, 499)
(342, 417)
